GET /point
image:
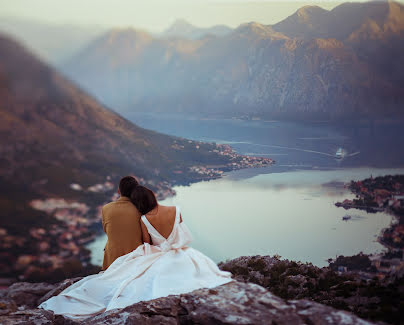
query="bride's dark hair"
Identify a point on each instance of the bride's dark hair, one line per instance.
(143, 199)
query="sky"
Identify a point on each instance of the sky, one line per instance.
(155, 15)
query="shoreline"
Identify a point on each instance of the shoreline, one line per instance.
(59, 251)
(380, 194)
(324, 181)
(92, 228)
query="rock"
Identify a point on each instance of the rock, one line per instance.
(28, 317)
(314, 313)
(232, 303)
(164, 310)
(58, 289)
(375, 299)
(25, 293)
(298, 279)
(7, 306)
(286, 278)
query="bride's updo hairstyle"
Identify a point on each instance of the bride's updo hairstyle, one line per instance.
(143, 199)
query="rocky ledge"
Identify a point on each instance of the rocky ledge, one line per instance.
(369, 298)
(232, 303)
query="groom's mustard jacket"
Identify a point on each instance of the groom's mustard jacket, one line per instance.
(121, 223)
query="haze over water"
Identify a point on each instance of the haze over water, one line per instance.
(286, 209)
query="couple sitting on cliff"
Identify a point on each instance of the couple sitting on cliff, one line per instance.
(146, 257)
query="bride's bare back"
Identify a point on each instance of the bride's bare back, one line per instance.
(162, 218)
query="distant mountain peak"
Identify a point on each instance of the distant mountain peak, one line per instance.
(184, 29)
(180, 22)
(347, 20)
(179, 28)
(128, 33)
(306, 12)
(253, 26)
(118, 45)
(303, 22)
(254, 29)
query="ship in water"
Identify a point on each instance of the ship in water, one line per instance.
(340, 154)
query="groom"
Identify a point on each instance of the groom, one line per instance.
(121, 223)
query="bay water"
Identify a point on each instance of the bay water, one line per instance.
(286, 209)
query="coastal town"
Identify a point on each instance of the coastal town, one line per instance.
(384, 193)
(237, 162)
(58, 250)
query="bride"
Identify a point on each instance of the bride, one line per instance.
(164, 265)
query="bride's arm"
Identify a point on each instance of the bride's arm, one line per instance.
(145, 234)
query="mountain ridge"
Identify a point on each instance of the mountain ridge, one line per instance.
(181, 28)
(60, 135)
(307, 23)
(301, 68)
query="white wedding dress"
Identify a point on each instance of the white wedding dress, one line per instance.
(168, 267)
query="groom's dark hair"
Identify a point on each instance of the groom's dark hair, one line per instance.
(127, 184)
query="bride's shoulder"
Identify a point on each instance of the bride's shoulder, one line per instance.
(168, 210)
(168, 207)
(171, 209)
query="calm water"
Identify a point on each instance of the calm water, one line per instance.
(287, 209)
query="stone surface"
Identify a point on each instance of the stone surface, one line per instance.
(7, 306)
(372, 298)
(58, 289)
(232, 303)
(25, 293)
(28, 317)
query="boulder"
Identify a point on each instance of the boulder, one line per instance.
(58, 289)
(29, 317)
(232, 303)
(7, 306)
(25, 293)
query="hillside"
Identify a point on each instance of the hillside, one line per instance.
(48, 123)
(62, 155)
(307, 66)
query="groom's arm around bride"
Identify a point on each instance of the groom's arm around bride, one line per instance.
(121, 223)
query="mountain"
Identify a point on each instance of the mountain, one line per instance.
(374, 30)
(52, 134)
(308, 66)
(183, 29)
(125, 66)
(374, 19)
(54, 43)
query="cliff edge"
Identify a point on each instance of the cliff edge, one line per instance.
(232, 303)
